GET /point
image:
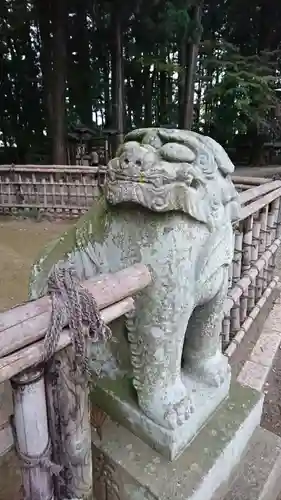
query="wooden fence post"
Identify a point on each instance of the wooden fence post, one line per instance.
(236, 275)
(262, 248)
(69, 422)
(32, 441)
(272, 234)
(246, 263)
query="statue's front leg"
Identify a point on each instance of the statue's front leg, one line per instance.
(202, 349)
(156, 349)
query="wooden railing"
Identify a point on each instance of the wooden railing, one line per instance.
(59, 190)
(252, 274)
(40, 401)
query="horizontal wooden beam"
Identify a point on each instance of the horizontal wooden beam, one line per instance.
(260, 203)
(254, 181)
(27, 323)
(257, 191)
(31, 355)
(56, 169)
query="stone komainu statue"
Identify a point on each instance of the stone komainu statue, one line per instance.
(169, 203)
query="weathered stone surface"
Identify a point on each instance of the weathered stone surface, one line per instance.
(114, 393)
(135, 472)
(253, 375)
(257, 477)
(265, 349)
(169, 203)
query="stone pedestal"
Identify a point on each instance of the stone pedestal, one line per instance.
(114, 393)
(117, 399)
(125, 468)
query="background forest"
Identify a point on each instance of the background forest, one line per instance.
(119, 64)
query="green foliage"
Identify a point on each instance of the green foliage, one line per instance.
(237, 72)
(244, 93)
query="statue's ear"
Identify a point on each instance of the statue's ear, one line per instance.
(127, 146)
(191, 202)
(179, 153)
(224, 163)
(136, 135)
(185, 137)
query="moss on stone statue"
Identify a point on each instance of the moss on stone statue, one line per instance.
(109, 394)
(121, 387)
(91, 225)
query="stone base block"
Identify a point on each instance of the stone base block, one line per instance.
(125, 468)
(117, 399)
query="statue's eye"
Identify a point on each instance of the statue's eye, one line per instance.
(138, 163)
(126, 160)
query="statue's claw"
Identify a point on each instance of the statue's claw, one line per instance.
(178, 413)
(169, 407)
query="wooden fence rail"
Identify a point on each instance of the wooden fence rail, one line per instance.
(60, 190)
(40, 406)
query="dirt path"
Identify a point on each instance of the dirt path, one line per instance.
(20, 243)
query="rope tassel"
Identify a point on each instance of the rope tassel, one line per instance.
(72, 301)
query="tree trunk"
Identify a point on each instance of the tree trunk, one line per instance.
(154, 95)
(148, 89)
(130, 104)
(59, 81)
(198, 103)
(84, 99)
(44, 15)
(107, 100)
(117, 83)
(137, 100)
(170, 92)
(189, 56)
(181, 79)
(162, 112)
(265, 33)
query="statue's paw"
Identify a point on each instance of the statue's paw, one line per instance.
(178, 413)
(168, 406)
(214, 371)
